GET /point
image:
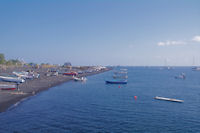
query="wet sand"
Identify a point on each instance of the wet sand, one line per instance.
(32, 87)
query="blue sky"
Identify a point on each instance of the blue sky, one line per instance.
(137, 32)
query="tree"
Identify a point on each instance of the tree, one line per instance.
(67, 64)
(13, 62)
(32, 64)
(2, 59)
(9, 63)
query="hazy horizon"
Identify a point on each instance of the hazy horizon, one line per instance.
(110, 33)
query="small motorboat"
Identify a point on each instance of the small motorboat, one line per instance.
(196, 68)
(7, 87)
(181, 76)
(116, 82)
(79, 79)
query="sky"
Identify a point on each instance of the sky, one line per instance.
(101, 32)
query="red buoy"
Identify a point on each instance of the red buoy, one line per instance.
(135, 97)
(118, 86)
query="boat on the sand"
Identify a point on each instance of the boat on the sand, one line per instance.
(7, 87)
(24, 75)
(70, 73)
(12, 79)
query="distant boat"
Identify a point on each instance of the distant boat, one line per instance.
(7, 87)
(119, 76)
(168, 99)
(181, 76)
(12, 79)
(196, 68)
(120, 72)
(79, 79)
(166, 68)
(116, 82)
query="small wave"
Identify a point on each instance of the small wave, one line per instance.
(18, 103)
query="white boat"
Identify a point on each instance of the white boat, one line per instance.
(168, 99)
(196, 68)
(121, 74)
(181, 76)
(115, 76)
(12, 79)
(120, 77)
(24, 75)
(7, 87)
(79, 79)
(123, 69)
(55, 74)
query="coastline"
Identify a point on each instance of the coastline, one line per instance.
(32, 87)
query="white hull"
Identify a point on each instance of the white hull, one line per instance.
(12, 79)
(23, 75)
(80, 79)
(7, 87)
(168, 99)
(120, 77)
(196, 69)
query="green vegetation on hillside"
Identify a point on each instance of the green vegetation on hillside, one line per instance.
(13, 62)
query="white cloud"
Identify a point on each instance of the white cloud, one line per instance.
(161, 44)
(168, 43)
(196, 38)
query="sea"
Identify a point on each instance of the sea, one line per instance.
(96, 107)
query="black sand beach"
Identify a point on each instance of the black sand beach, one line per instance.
(32, 87)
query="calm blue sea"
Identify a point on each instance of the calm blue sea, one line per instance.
(98, 107)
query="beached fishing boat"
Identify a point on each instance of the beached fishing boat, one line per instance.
(80, 79)
(24, 75)
(116, 82)
(12, 79)
(7, 87)
(70, 73)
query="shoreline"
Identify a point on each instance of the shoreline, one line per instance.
(35, 86)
